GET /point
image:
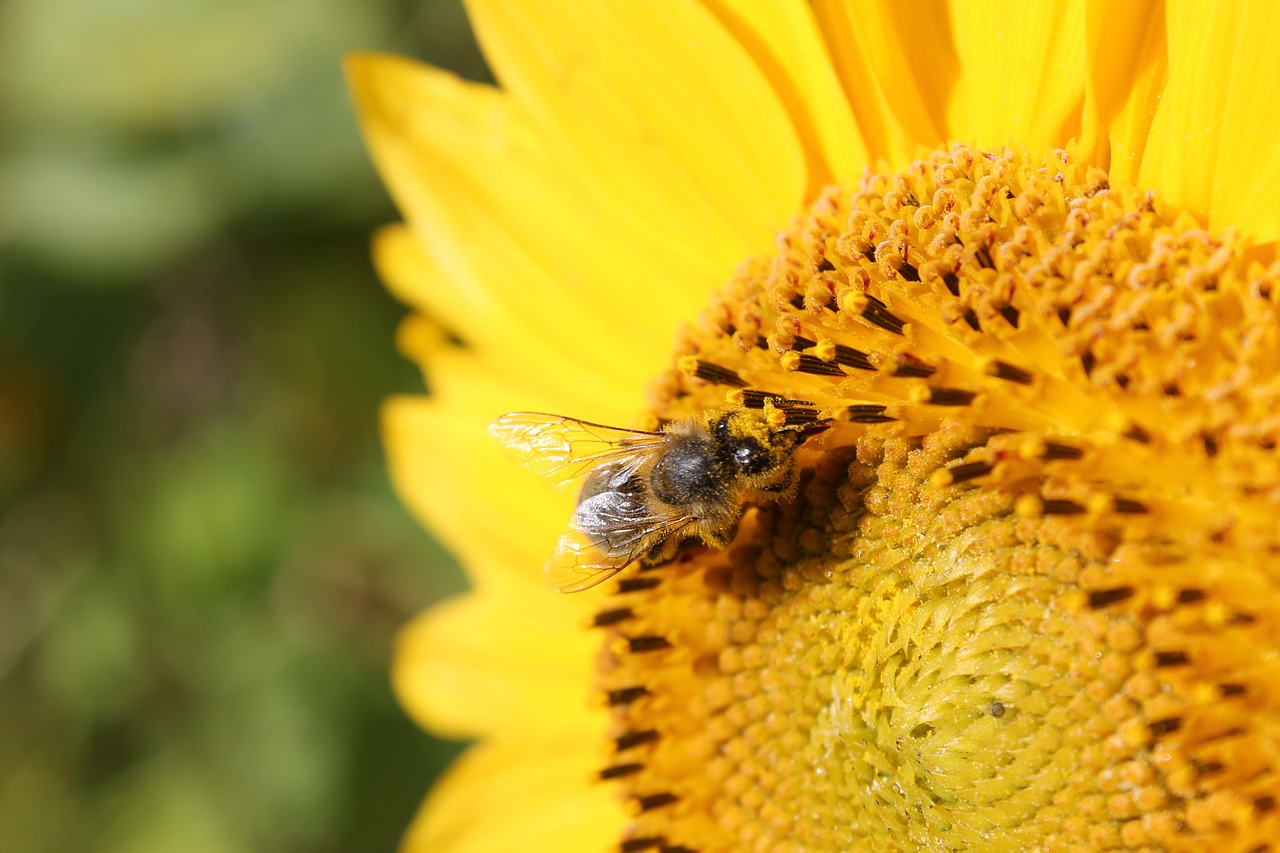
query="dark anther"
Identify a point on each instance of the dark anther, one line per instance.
(983, 257)
(1087, 361)
(952, 283)
(612, 617)
(1126, 506)
(950, 397)
(1228, 689)
(972, 319)
(996, 709)
(1172, 659)
(1264, 847)
(1011, 314)
(637, 845)
(1010, 373)
(909, 272)
(719, 375)
(1210, 444)
(969, 471)
(794, 416)
(1241, 619)
(878, 314)
(1209, 768)
(1171, 390)
(825, 265)
(1165, 726)
(802, 343)
(1265, 803)
(797, 301)
(1064, 316)
(648, 644)
(866, 413)
(910, 367)
(1191, 596)
(677, 848)
(761, 342)
(815, 366)
(626, 695)
(1138, 434)
(756, 399)
(630, 740)
(617, 771)
(1104, 597)
(1053, 450)
(1062, 506)
(637, 584)
(870, 253)
(850, 357)
(1122, 381)
(656, 801)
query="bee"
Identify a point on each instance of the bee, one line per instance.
(642, 494)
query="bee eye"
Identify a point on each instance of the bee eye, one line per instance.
(750, 457)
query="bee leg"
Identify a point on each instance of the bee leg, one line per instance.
(784, 486)
(672, 549)
(721, 538)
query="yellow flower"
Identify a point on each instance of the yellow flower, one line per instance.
(1020, 257)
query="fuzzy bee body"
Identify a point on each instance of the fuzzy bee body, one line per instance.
(640, 494)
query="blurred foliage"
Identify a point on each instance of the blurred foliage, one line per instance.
(202, 566)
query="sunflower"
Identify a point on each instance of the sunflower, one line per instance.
(1012, 265)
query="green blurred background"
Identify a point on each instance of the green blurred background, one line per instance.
(202, 566)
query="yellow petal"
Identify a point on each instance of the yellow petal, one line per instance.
(517, 797)
(1128, 64)
(1022, 70)
(1212, 146)
(509, 238)
(783, 39)
(658, 113)
(516, 662)
(522, 350)
(898, 64)
(501, 522)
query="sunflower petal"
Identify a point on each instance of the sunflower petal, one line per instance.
(441, 459)
(658, 113)
(1022, 71)
(467, 668)
(516, 347)
(512, 242)
(1128, 64)
(897, 61)
(505, 797)
(1212, 146)
(784, 41)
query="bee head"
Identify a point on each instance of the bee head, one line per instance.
(757, 450)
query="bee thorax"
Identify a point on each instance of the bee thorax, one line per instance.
(690, 472)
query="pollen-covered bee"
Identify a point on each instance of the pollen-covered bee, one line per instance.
(643, 493)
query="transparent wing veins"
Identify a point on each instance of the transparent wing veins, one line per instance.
(563, 449)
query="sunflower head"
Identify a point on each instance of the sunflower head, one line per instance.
(1009, 578)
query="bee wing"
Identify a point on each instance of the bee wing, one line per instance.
(610, 531)
(564, 449)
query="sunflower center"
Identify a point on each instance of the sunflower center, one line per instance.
(1028, 593)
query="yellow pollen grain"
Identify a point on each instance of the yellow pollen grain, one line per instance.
(1026, 593)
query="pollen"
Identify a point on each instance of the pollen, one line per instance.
(1026, 595)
